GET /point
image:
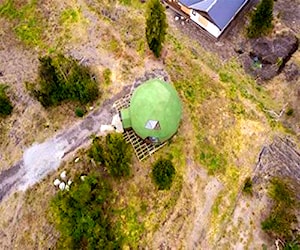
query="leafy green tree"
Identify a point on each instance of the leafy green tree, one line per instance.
(156, 26)
(163, 173)
(81, 215)
(5, 104)
(114, 153)
(62, 78)
(261, 19)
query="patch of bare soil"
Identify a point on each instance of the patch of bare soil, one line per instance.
(233, 42)
(279, 159)
(230, 41)
(186, 227)
(267, 57)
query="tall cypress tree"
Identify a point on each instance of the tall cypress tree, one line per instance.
(261, 20)
(156, 26)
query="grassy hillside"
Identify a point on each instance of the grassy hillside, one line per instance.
(226, 121)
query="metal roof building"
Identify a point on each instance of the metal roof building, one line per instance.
(212, 15)
(154, 112)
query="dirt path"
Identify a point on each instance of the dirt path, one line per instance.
(40, 159)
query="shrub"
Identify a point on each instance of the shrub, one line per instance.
(79, 112)
(107, 76)
(5, 104)
(247, 189)
(81, 215)
(281, 218)
(261, 19)
(290, 112)
(62, 78)
(163, 173)
(114, 153)
(156, 26)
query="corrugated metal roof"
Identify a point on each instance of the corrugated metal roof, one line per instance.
(203, 5)
(191, 2)
(220, 11)
(224, 10)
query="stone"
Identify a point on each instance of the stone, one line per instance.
(56, 182)
(272, 54)
(63, 175)
(292, 72)
(62, 186)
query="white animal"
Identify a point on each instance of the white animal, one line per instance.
(56, 182)
(63, 175)
(62, 186)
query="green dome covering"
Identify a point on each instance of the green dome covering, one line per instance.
(154, 112)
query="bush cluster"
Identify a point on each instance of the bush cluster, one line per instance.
(261, 19)
(81, 215)
(163, 173)
(62, 78)
(248, 185)
(114, 153)
(5, 104)
(280, 221)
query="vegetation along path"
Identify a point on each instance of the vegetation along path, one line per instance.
(40, 159)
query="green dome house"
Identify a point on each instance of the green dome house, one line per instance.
(154, 112)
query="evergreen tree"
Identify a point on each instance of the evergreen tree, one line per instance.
(261, 19)
(156, 26)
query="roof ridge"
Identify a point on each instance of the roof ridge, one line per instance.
(212, 5)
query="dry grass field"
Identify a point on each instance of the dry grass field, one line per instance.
(227, 120)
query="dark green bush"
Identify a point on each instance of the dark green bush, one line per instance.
(290, 112)
(114, 153)
(247, 189)
(163, 173)
(5, 104)
(261, 19)
(79, 112)
(62, 78)
(81, 215)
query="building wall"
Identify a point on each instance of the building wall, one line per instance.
(204, 23)
(196, 17)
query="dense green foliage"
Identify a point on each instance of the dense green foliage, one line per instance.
(156, 26)
(5, 104)
(114, 153)
(79, 112)
(163, 173)
(280, 221)
(247, 189)
(80, 215)
(62, 78)
(261, 19)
